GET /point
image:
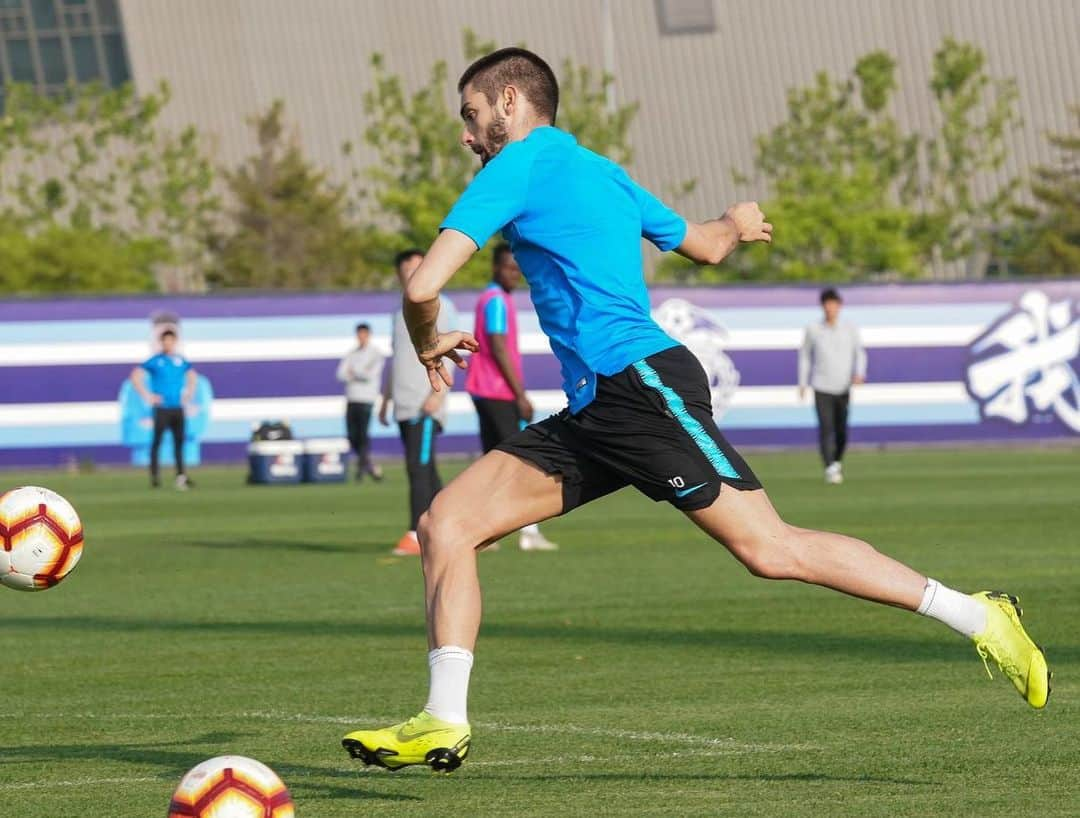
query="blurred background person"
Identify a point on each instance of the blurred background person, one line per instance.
(495, 376)
(361, 371)
(831, 359)
(167, 382)
(420, 411)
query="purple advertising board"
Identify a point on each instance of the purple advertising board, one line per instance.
(957, 363)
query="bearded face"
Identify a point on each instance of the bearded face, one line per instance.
(486, 128)
(494, 139)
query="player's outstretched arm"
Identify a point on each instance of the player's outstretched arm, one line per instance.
(420, 306)
(712, 241)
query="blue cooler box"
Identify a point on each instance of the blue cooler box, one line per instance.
(275, 461)
(326, 460)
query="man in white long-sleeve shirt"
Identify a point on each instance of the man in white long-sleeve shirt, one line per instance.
(831, 359)
(361, 372)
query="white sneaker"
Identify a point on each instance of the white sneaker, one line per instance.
(834, 474)
(182, 482)
(529, 541)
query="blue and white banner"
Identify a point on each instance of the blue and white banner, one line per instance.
(946, 363)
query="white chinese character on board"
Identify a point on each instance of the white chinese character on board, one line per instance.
(1027, 361)
(697, 331)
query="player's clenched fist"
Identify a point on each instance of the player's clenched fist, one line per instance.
(749, 222)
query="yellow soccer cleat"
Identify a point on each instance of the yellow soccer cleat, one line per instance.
(423, 739)
(1007, 643)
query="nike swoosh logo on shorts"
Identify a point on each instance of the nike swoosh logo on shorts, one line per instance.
(690, 490)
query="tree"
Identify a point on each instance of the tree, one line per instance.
(95, 160)
(835, 167)
(853, 196)
(65, 259)
(421, 168)
(975, 114)
(1052, 245)
(289, 226)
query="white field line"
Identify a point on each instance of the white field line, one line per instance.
(561, 760)
(723, 745)
(545, 400)
(532, 761)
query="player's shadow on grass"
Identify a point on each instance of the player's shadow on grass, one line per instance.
(303, 781)
(806, 643)
(377, 545)
(676, 775)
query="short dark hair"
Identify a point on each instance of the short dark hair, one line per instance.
(363, 325)
(519, 67)
(167, 334)
(501, 250)
(830, 294)
(405, 255)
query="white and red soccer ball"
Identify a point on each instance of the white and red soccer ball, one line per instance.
(41, 538)
(231, 787)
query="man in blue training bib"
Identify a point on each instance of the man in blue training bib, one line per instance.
(639, 411)
(167, 382)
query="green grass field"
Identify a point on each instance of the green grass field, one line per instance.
(638, 671)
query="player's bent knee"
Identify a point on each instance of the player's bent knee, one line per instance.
(771, 557)
(441, 537)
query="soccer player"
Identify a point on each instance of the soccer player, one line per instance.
(419, 409)
(361, 372)
(494, 378)
(172, 382)
(639, 409)
(831, 359)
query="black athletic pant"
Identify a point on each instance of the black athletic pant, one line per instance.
(173, 420)
(418, 435)
(357, 421)
(499, 421)
(832, 412)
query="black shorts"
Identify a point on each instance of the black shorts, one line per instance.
(499, 421)
(650, 426)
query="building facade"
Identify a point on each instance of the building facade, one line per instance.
(50, 43)
(709, 75)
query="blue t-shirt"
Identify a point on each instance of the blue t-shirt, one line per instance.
(574, 221)
(167, 375)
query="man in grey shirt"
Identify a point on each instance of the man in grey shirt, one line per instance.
(831, 359)
(420, 411)
(361, 372)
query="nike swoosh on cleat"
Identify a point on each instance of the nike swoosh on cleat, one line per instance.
(690, 490)
(403, 736)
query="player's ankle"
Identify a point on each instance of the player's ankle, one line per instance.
(449, 691)
(959, 611)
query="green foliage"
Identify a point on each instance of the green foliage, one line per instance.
(96, 159)
(976, 113)
(289, 226)
(422, 168)
(68, 259)
(1051, 244)
(853, 196)
(584, 112)
(836, 167)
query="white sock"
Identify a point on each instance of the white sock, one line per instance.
(449, 691)
(959, 611)
(531, 529)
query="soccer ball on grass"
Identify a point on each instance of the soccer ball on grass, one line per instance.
(231, 787)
